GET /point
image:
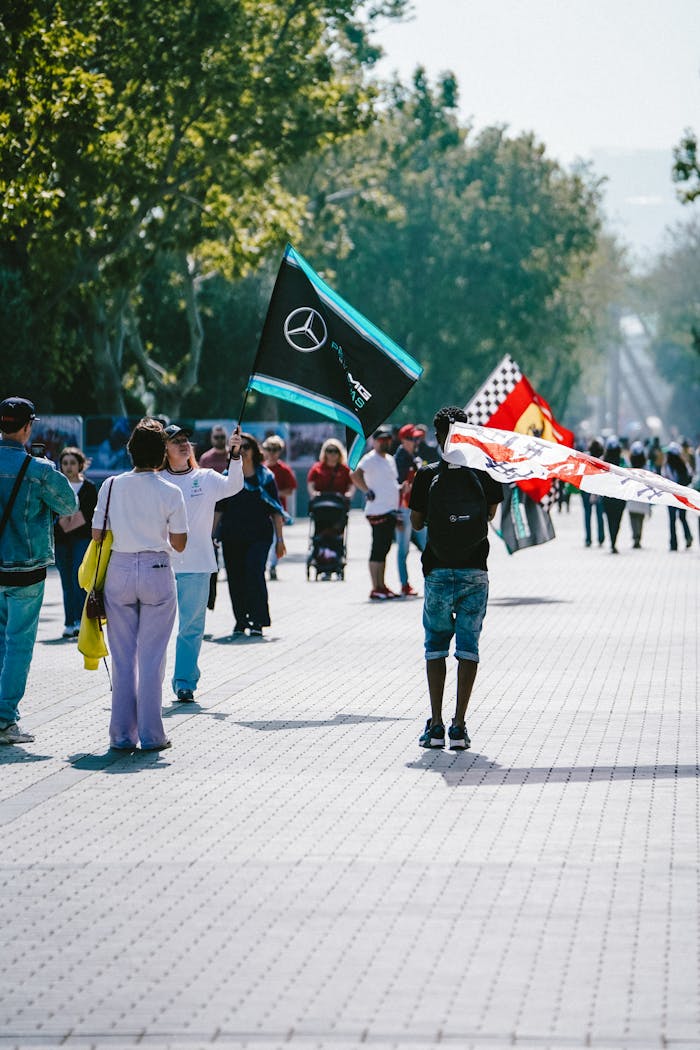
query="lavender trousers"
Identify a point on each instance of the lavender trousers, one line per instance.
(140, 602)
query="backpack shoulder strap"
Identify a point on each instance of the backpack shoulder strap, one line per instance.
(13, 495)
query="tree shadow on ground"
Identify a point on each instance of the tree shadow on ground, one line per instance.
(529, 600)
(15, 755)
(470, 769)
(317, 723)
(112, 761)
(187, 707)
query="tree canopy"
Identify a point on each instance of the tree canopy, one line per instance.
(135, 132)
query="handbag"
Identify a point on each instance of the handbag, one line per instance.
(95, 601)
(69, 522)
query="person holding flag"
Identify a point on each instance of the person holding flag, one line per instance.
(457, 505)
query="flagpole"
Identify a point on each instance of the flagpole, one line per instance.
(245, 399)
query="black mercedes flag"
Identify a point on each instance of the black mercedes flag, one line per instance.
(524, 522)
(318, 351)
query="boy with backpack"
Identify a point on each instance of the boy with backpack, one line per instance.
(457, 504)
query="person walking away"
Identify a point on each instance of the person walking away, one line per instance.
(457, 504)
(591, 501)
(215, 458)
(638, 511)
(377, 477)
(31, 492)
(201, 488)
(408, 463)
(72, 537)
(147, 517)
(614, 508)
(675, 469)
(273, 447)
(248, 523)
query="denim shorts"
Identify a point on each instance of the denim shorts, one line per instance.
(454, 606)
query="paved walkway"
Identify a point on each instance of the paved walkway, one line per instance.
(297, 872)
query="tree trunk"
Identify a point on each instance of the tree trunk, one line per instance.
(107, 346)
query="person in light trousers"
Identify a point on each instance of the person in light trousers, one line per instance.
(201, 489)
(148, 521)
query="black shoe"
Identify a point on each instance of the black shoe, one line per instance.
(238, 631)
(185, 696)
(255, 631)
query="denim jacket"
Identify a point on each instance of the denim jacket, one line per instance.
(27, 542)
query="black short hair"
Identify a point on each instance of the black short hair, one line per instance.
(446, 416)
(146, 446)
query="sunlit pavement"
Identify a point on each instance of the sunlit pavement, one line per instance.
(297, 871)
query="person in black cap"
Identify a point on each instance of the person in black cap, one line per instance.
(376, 475)
(31, 492)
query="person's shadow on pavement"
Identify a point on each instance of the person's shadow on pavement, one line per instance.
(470, 769)
(119, 761)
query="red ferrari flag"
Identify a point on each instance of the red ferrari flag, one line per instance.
(508, 401)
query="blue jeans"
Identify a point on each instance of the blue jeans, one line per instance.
(19, 619)
(588, 507)
(403, 542)
(676, 514)
(454, 606)
(192, 596)
(69, 555)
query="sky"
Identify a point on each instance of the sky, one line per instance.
(613, 81)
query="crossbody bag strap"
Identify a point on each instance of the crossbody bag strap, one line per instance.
(104, 532)
(13, 495)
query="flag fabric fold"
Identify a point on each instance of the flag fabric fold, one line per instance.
(512, 458)
(508, 401)
(318, 351)
(524, 522)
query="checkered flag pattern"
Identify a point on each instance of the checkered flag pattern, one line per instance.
(504, 378)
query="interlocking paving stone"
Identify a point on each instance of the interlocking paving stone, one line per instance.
(297, 872)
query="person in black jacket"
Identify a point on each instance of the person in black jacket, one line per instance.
(456, 578)
(72, 534)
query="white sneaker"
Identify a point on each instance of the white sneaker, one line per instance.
(14, 735)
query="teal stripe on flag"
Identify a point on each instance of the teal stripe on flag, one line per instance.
(353, 317)
(299, 395)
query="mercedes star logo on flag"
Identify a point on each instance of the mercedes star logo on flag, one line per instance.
(305, 330)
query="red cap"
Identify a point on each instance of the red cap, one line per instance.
(409, 431)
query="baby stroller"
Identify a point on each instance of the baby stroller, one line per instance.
(328, 522)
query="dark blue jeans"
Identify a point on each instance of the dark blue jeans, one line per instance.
(68, 558)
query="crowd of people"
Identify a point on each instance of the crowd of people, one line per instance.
(678, 462)
(150, 542)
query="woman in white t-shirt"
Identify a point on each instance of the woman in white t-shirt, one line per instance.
(201, 489)
(148, 521)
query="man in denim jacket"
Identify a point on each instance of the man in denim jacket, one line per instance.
(26, 548)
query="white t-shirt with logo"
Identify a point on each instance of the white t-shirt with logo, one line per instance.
(382, 477)
(143, 509)
(202, 488)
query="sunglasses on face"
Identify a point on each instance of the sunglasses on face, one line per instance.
(180, 441)
(246, 446)
(219, 437)
(333, 451)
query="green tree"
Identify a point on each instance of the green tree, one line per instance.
(137, 135)
(686, 166)
(671, 295)
(461, 248)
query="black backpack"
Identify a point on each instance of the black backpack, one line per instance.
(457, 513)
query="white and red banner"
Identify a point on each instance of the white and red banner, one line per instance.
(510, 457)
